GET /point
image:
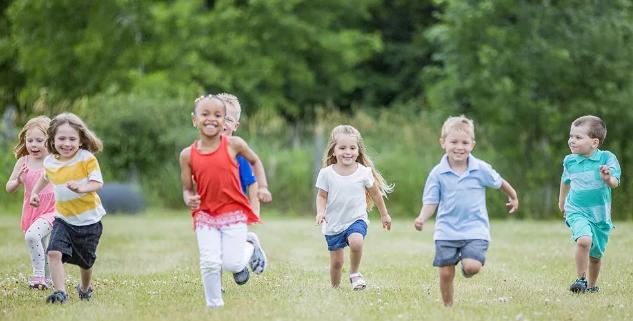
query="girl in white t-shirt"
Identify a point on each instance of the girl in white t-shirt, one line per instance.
(348, 176)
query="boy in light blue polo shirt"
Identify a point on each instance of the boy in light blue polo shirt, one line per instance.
(456, 187)
(589, 174)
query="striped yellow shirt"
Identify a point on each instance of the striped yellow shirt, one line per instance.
(75, 208)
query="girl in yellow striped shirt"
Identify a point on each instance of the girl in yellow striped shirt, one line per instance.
(74, 172)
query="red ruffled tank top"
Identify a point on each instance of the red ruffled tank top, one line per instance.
(217, 182)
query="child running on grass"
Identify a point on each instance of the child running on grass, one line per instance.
(589, 174)
(456, 188)
(348, 176)
(220, 210)
(74, 172)
(37, 222)
(248, 181)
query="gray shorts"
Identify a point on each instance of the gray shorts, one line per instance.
(450, 252)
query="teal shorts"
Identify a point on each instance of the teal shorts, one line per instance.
(599, 233)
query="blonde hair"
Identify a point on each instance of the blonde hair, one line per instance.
(458, 124)
(87, 139)
(329, 158)
(231, 100)
(597, 127)
(39, 122)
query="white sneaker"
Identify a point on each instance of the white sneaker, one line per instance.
(258, 259)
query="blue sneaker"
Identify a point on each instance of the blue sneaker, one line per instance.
(57, 297)
(84, 295)
(241, 277)
(593, 289)
(579, 286)
(258, 259)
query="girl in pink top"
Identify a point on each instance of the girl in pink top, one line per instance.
(37, 222)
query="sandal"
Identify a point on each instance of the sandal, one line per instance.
(357, 281)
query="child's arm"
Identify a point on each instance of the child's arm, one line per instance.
(253, 199)
(376, 196)
(513, 199)
(240, 147)
(16, 176)
(321, 202)
(426, 212)
(562, 196)
(91, 186)
(189, 195)
(35, 197)
(605, 174)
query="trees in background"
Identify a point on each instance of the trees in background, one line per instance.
(522, 69)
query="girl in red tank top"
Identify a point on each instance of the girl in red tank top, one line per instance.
(219, 208)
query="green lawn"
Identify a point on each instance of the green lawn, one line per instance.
(147, 270)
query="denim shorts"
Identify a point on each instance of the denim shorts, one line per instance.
(599, 233)
(339, 241)
(450, 252)
(78, 244)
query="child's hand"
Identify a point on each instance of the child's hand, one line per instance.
(605, 173)
(193, 202)
(512, 205)
(21, 174)
(264, 194)
(34, 200)
(320, 218)
(386, 222)
(419, 223)
(74, 187)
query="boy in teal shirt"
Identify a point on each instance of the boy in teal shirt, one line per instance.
(589, 174)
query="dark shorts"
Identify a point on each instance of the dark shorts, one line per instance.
(339, 241)
(78, 244)
(450, 252)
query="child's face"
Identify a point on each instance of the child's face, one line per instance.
(231, 123)
(209, 117)
(67, 141)
(36, 143)
(457, 145)
(346, 149)
(579, 141)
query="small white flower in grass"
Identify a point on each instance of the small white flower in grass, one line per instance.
(488, 290)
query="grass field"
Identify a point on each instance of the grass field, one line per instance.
(147, 270)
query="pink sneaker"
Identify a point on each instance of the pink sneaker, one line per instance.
(38, 282)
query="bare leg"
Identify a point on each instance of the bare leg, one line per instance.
(583, 244)
(447, 274)
(355, 241)
(471, 266)
(86, 276)
(594, 270)
(57, 270)
(336, 265)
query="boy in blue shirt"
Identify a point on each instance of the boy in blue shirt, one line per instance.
(589, 174)
(250, 187)
(456, 187)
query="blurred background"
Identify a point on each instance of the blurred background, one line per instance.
(523, 70)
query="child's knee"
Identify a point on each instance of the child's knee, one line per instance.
(355, 242)
(447, 273)
(584, 242)
(471, 267)
(54, 255)
(210, 266)
(31, 238)
(336, 264)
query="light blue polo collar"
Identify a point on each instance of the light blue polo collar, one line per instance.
(595, 156)
(473, 164)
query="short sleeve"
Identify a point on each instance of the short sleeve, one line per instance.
(614, 166)
(322, 179)
(565, 179)
(368, 179)
(490, 177)
(93, 170)
(246, 173)
(431, 194)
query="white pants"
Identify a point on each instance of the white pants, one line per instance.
(37, 241)
(225, 249)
